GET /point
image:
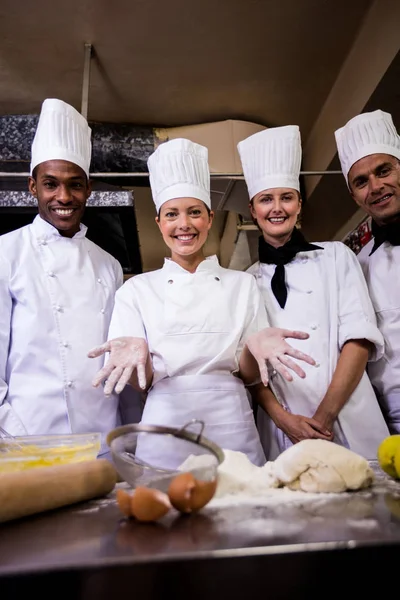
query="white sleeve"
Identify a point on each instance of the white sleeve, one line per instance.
(126, 319)
(256, 317)
(119, 274)
(8, 418)
(357, 318)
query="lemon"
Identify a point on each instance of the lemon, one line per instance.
(386, 455)
(397, 461)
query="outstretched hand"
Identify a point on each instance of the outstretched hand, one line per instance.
(127, 355)
(270, 345)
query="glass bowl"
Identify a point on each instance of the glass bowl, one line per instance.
(28, 452)
(132, 450)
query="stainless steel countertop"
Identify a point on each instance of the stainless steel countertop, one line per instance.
(93, 535)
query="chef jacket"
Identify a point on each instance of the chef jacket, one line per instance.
(196, 325)
(328, 299)
(56, 298)
(382, 273)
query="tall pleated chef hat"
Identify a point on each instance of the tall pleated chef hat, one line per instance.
(62, 134)
(366, 134)
(271, 158)
(179, 169)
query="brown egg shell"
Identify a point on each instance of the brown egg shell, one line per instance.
(149, 504)
(188, 494)
(124, 502)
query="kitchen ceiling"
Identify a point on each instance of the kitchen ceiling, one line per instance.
(178, 62)
(315, 63)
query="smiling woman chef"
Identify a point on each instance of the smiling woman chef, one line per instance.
(185, 326)
(319, 288)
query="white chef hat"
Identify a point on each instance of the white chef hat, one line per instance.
(271, 158)
(179, 169)
(365, 134)
(62, 134)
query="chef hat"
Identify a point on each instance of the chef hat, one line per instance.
(62, 134)
(365, 134)
(271, 158)
(179, 169)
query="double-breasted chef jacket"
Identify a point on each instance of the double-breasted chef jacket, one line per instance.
(327, 298)
(56, 297)
(196, 325)
(382, 273)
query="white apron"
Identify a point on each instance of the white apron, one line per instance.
(195, 325)
(218, 400)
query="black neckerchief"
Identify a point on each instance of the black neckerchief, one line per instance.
(385, 233)
(280, 257)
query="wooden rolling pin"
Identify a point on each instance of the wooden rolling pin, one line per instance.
(26, 493)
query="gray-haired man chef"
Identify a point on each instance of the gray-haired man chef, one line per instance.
(369, 152)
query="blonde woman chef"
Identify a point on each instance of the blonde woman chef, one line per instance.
(318, 288)
(193, 315)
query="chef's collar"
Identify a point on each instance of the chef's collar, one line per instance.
(385, 233)
(210, 264)
(44, 230)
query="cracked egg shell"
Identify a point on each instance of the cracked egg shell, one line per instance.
(149, 504)
(188, 494)
(124, 502)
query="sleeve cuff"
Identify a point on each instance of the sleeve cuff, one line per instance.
(363, 330)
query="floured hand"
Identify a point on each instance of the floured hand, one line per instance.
(270, 345)
(127, 355)
(298, 428)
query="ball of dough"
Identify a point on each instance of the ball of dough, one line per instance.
(322, 466)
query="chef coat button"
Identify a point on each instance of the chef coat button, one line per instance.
(69, 383)
(65, 344)
(317, 364)
(99, 280)
(314, 326)
(170, 281)
(309, 291)
(102, 311)
(217, 278)
(43, 243)
(51, 274)
(58, 308)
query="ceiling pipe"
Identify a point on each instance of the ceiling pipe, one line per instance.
(213, 175)
(86, 80)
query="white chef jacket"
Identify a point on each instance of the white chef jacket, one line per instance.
(56, 298)
(382, 273)
(209, 314)
(196, 325)
(327, 298)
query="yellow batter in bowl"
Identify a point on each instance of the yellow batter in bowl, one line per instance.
(41, 451)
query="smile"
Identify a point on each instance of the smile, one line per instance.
(277, 220)
(382, 199)
(63, 212)
(185, 238)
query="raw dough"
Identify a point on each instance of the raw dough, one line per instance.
(322, 466)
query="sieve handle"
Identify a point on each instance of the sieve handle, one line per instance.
(193, 422)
